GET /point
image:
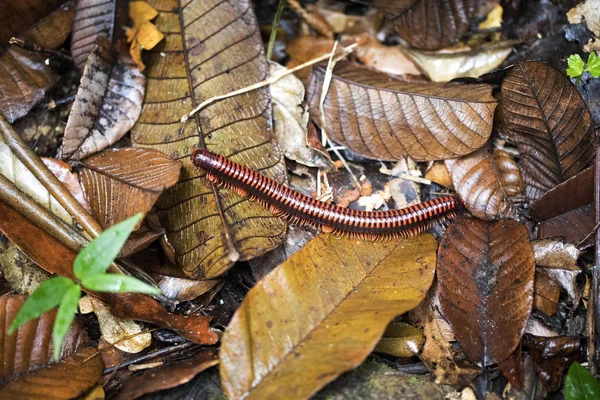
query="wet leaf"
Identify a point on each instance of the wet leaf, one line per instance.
(27, 358)
(93, 18)
(210, 228)
(483, 269)
(487, 182)
(24, 75)
(320, 313)
(120, 183)
(108, 103)
(547, 118)
(429, 24)
(384, 118)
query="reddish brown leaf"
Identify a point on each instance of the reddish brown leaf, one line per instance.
(67, 177)
(548, 119)
(93, 18)
(487, 183)
(573, 226)
(485, 273)
(546, 293)
(384, 118)
(122, 182)
(429, 24)
(27, 358)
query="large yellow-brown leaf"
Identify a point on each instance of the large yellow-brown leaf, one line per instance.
(487, 183)
(211, 47)
(485, 273)
(548, 119)
(24, 75)
(384, 118)
(119, 183)
(93, 18)
(27, 368)
(321, 313)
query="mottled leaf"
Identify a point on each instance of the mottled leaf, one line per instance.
(108, 102)
(485, 273)
(550, 123)
(122, 182)
(211, 47)
(429, 24)
(93, 18)
(384, 118)
(487, 183)
(321, 313)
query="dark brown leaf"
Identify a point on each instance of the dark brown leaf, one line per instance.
(487, 183)
(550, 123)
(27, 358)
(20, 14)
(429, 24)
(108, 103)
(93, 18)
(546, 293)
(573, 226)
(384, 118)
(219, 50)
(119, 183)
(485, 273)
(24, 75)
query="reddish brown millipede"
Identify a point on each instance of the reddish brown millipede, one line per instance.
(304, 210)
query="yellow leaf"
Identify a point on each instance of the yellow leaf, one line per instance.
(143, 35)
(148, 36)
(140, 12)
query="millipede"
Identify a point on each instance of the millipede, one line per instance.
(303, 210)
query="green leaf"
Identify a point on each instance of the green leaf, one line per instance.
(96, 257)
(117, 283)
(594, 64)
(581, 384)
(43, 299)
(64, 318)
(575, 65)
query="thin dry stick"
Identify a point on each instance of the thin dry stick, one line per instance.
(266, 82)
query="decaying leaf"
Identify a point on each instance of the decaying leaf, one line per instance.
(23, 14)
(182, 289)
(20, 272)
(555, 254)
(24, 76)
(27, 358)
(119, 183)
(485, 273)
(487, 182)
(210, 228)
(108, 103)
(387, 59)
(384, 118)
(546, 293)
(321, 313)
(550, 123)
(67, 177)
(429, 24)
(438, 172)
(93, 18)
(144, 35)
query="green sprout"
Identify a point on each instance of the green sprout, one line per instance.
(576, 66)
(90, 270)
(581, 384)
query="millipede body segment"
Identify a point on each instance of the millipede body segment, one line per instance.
(304, 210)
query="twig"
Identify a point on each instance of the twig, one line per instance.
(589, 235)
(593, 315)
(38, 49)
(266, 82)
(52, 104)
(274, 28)
(318, 23)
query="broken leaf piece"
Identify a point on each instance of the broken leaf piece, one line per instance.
(144, 35)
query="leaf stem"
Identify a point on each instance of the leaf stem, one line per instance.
(274, 28)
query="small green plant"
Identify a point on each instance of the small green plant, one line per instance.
(576, 66)
(581, 384)
(90, 270)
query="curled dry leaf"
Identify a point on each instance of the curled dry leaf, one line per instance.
(182, 289)
(321, 313)
(487, 183)
(550, 123)
(119, 183)
(384, 118)
(24, 75)
(485, 269)
(28, 360)
(429, 24)
(143, 35)
(218, 51)
(93, 18)
(555, 254)
(107, 105)
(387, 59)
(401, 340)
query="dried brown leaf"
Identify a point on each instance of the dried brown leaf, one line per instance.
(93, 18)
(387, 59)
(218, 50)
(108, 103)
(484, 269)
(384, 118)
(182, 289)
(550, 123)
(23, 13)
(67, 177)
(573, 227)
(487, 183)
(321, 313)
(21, 274)
(119, 183)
